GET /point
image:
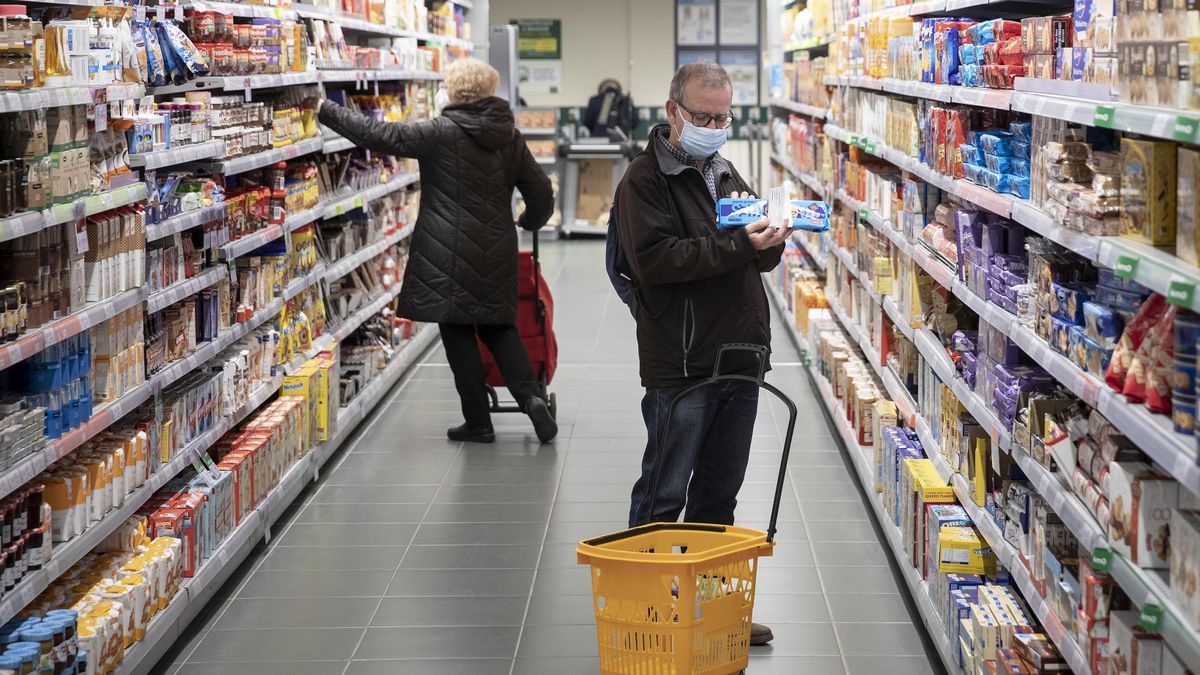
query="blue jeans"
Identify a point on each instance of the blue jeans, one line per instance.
(707, 450)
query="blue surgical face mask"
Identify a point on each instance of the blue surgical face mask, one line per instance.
(701, 142)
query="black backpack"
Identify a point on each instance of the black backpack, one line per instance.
(619, 271)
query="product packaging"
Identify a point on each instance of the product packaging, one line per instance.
(812, 216)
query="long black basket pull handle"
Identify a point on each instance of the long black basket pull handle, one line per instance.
(762, 353)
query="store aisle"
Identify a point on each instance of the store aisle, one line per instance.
(417, 555)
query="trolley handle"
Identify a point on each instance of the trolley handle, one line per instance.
(762, 352)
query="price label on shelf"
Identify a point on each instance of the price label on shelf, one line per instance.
(246, 89)
(1151, 617)
(1126, 267)
(1104, 116)
(1184, 129)
(1181, 292)
(101, 116)
(1102, 559)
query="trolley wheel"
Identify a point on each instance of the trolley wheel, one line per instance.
(552, 403)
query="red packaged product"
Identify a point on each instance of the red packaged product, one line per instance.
(1011, 54)
(1160, 366)
(1006, 30)
(991, 54)
(1137, 378)
(1135, 332)
(1001, 77)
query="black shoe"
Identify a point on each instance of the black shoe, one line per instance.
(467, 434)
(543, 422)
(760, 635)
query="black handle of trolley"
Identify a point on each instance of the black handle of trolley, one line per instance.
(762, 354)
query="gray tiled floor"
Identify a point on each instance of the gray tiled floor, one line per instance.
(417, 555)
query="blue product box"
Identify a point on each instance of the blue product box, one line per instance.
(1022, 149)
(1119, 300)
(1060, 335)
(1110, 279)
(1066, 303)
(1096, 357)
(812, 216)
(1102, 325)
(1076, 350)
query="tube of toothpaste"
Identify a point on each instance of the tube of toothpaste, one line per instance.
(812, 216)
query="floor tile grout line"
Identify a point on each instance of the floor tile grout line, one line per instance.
(813, 550)
(344, 452)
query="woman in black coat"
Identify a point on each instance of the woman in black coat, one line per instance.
(462, 268)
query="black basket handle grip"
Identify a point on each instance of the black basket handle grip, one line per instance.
(660, 458)
(760, 351)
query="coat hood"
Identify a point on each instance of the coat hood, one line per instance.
(488, 121)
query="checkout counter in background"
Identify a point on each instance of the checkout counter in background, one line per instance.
(585, 171)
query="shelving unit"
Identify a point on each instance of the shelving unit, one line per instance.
(207, 158)
(1156, 269)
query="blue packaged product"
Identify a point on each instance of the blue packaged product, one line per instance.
(1104, 325)
(928, 65)
(1108, 278)
(970, 153)
(971, 75)
(1187, 333)
(1119, 300)
(1006, 164)
(996, 142)
(1022, 130)
(1183, 382)
(989, 179)
(812, 216)
(974, 172)
(1060, 335)
(176, 74)
(1014, 185)
(1098, 356)
(1066, 302)
(966, 55)
(1022, 149)
(1075, 347)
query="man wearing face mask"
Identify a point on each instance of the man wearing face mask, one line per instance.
(697, 288)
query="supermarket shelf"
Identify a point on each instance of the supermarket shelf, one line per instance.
(177, 369)
(1154, 435)
(299, 285)
(230, 167)
(238, 83)
(810, 181)
(364, 313)
(1011, 559)
(1146, 587)
(63, 96)
(802, 108)
(1076, 102)
(549, 132)
(362, 199)
(918, 588)
(815, 254)
(246, 11)
(185, 221)
(341, 268)
(375, 75)
(546, 161)
(180, 290)
(170, 623)
(1006, 554)
(67, 554)
(93, 204)
(173, 156)
(56, 331)
(807, 45)
(1025, 213)
(21, 225)
(934, 353)
(335, 143)
(240, 247)
(859, 336)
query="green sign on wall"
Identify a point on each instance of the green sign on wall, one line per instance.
(539, 38)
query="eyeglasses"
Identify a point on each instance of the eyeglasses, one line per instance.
(700, 119)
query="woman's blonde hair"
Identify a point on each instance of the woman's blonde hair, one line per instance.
(470, 79)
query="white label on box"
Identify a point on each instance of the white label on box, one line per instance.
(101, 116)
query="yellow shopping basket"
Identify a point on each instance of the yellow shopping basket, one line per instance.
(677, 598)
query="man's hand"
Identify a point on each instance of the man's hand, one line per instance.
(763, 236)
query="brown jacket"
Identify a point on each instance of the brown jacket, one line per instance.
(697, 287)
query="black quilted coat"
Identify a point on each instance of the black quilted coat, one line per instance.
(463, 263)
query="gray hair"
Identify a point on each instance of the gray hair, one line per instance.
(712, 76)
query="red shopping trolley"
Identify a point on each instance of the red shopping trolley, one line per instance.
(535, 323)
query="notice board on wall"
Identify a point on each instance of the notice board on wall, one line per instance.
(726, 32)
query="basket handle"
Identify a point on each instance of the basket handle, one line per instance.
(761, 351)
(656, 527)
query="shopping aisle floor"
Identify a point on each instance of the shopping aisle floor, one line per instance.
(417, 555)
